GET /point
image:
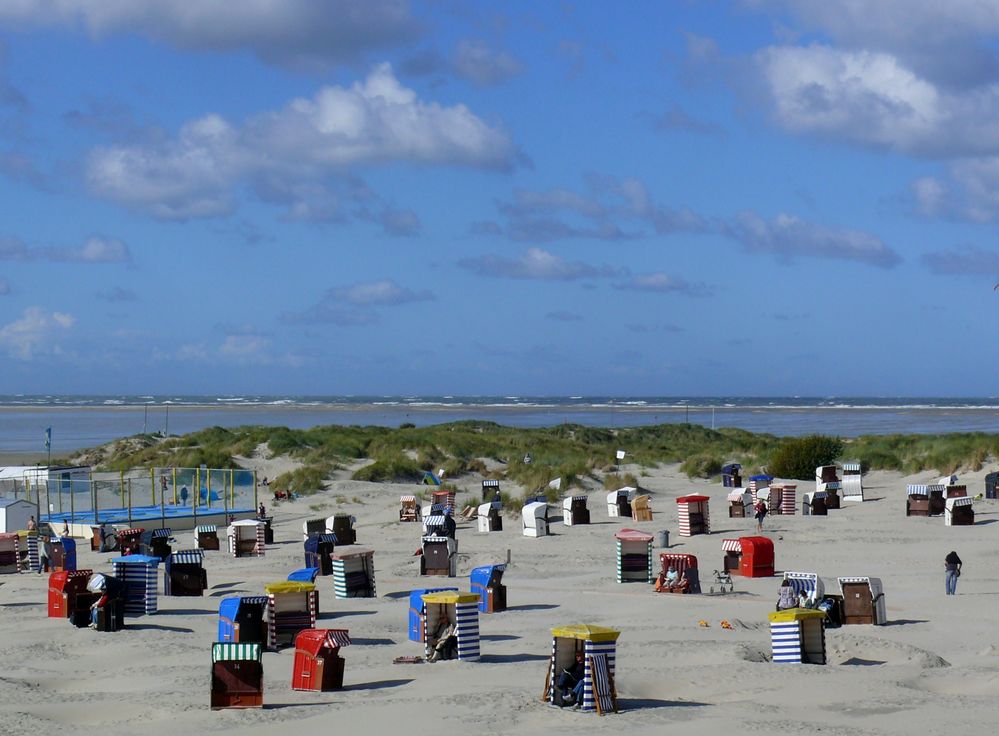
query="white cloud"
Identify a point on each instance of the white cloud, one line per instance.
(383, 292)
(93, 250)
(535, 263)
(788, 237)
(291, 32)
(34, 333)
(374, 121)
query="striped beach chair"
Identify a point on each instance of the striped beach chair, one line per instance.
(685, 566)
(798, 636)
(183, 573)
(417, 611)
(599, 647)
(693, 515)
(318, 664)
(958, 511)
(139, 574)
(246, 538)
(206, 536)
(634, 556)
(463, 610)
(241, 619)
(10, 553)
(354, 573)
(853, 482)
(789, 498)
(237, 676)
(809, 583)
(291, 607)
(33, 562)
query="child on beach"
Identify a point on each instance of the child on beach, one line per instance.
(761, 514)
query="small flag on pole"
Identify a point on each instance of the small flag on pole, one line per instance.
(48, 438)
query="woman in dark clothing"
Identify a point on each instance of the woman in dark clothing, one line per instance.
(952, 566)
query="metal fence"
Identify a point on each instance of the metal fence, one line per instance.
(188, 490)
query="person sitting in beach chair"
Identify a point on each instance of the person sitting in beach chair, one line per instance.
(570, 682)
(673, 582)
(787, 598)
(445, 641)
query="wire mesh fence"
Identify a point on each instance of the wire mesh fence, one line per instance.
(139, 492)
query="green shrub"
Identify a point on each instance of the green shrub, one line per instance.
(797, 458)
(613, 481)
(303, 481)
(393, 469)
(701, 466)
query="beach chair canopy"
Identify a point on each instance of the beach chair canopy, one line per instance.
(535, 510)
(304, 575)
(585, 632)
(483, 575)
(314, 641)
(633, 535)
(289, 586)
(731, 469)
(448, 597)
(484, 509)
(796, 614)
(226, 652)
(137, 560)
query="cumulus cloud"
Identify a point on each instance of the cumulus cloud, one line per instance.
(35, 333)
(356, 304)
(478, 63)
(300, 33)
(374, 121)
(944, 42)
(536, 264)
(788, 237)
(93, 250)
(969, 261)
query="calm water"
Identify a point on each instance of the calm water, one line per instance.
(85, 421)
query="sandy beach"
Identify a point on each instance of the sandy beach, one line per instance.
(933, 668)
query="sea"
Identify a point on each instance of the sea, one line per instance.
(78, 422)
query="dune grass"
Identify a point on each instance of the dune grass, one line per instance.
(567, 451)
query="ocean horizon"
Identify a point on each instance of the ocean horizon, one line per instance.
(80, 421)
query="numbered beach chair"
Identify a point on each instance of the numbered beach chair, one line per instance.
(318, 551)
(574, 511)
(535, 519)
(693, 515)
(184, 574)
(634, 556)
(798, 636)
(246, 538)
(489, 517)
(63, 554)
(922, 500)
(206, 537)
(237, 676)
(417, 612)
(598, 645)
(487, 582)
(111, 615)
(242, 619)
(958, 511)
(863, 601)
(619, 502)
(462, 609)
(354, 573)
(788, 494)
(318, 664)
(342, 526)
(754, 557)
(291, 607)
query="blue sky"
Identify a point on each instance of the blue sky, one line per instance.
(765, 197)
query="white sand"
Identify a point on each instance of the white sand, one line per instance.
(933, 670)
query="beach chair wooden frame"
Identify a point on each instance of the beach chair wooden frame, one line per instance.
(603, 683)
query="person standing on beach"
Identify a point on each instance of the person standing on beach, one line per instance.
(952, 567)
(761, 514)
